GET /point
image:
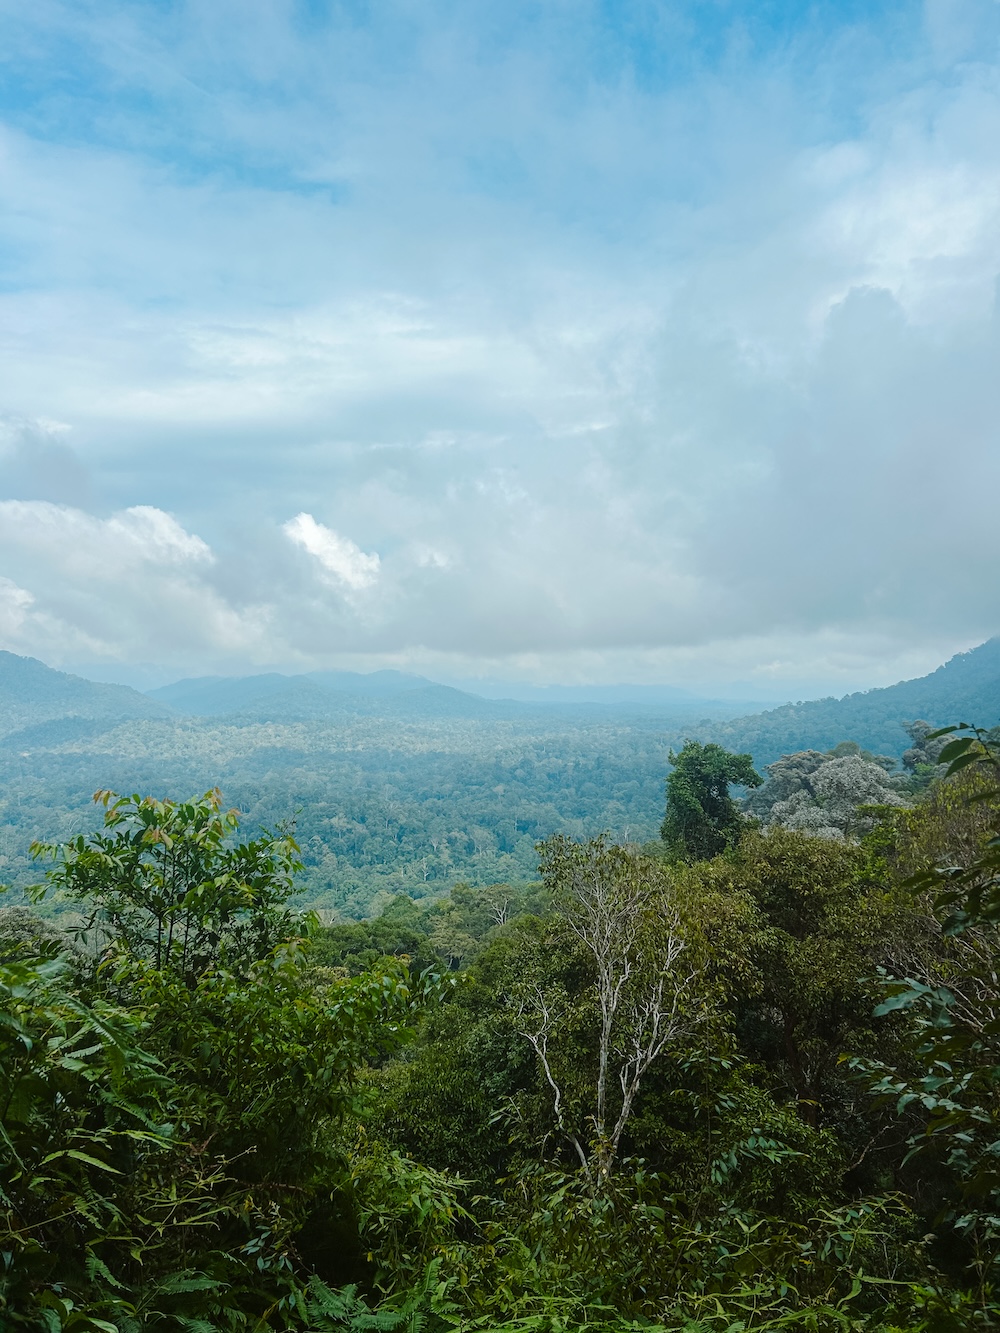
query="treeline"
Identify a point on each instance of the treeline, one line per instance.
(743, 1077)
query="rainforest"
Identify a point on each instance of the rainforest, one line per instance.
(740, 1076)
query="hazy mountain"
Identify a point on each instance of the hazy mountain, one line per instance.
(392, 693)
(32, 694)
(965, 689)
(669, 699)
(215, 696)
(302, 700)
(375, 684)
(211, 696)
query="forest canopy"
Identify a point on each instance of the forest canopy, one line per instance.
(752, 1088)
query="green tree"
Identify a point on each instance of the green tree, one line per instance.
(183, 1102)
(166, 884)
(952, 1075)
(702, 818)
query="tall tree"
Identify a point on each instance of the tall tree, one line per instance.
(702, 818)
(618, 908)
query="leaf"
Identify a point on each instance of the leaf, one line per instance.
(81, 1157)
(955, 748)
(187, 1281)
(963, 761)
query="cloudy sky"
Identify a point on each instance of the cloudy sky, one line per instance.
(555, 340)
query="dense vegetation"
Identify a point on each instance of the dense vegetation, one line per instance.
(380, 806)
(413, 790)
(753, 1091)
(410, 788)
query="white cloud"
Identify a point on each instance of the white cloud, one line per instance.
(130, 585)
(603, 371)
(15, 606)
(338, 555)
(99, 548)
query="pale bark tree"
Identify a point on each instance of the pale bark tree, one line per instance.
(617, 904)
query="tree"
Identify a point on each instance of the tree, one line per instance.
(952, 1075)
(617, 906)
(820, 793)
(702, 819)
(800, 961)
(169, 1128)
(164, 882)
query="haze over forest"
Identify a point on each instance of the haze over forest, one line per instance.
(397, 784)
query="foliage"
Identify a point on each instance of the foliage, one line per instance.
(821, 793)
(615, 1100)
(99, 1206)
(449, 932)
(702, 817)
(162, 883)
(170, 1132)
(955, 1015)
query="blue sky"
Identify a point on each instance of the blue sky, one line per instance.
(551, 341)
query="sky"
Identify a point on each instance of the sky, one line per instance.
(553, 340)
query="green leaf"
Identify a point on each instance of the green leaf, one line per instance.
(81, 1157)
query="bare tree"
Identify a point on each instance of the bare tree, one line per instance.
(497, 900)
(616, 903)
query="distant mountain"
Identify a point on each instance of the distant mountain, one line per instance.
(210, 696)
(32, 694)
(302, 700)
(965, 689)
(668, 699)
(274, 696)
(375, 684)
(215, 696)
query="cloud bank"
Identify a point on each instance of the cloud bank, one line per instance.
(576, 342)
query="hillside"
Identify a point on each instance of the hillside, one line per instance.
(325, 695)
(965, 689)
(397, 693)
(32, 694)
(215, 696)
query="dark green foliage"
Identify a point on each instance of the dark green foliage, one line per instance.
(24, 934)
(953, 1083)
(702, 818)
(615, 1100)
(447, 931)
(164, 885)
(170, 1122)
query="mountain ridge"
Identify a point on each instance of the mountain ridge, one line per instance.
(966, 688)
(32, 694)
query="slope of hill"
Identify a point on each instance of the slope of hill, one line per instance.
(212, 696)
(323, 694)
(303, 700)
(965, 689)
(397, 693)
(375, 684)
(215, 696)
(32, 694)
